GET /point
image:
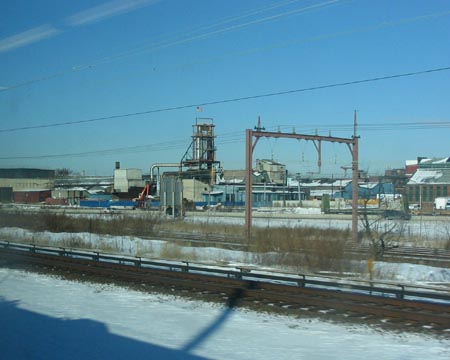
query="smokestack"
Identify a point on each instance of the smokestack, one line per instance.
(117, 165)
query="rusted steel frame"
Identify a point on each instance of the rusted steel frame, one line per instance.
(352, 144)
(260, 134)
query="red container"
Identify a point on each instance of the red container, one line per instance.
(51, 201)
(31, 196)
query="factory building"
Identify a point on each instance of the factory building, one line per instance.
(198, 178)
(197, 171)
(276, 171)
(25, 185)
(430, 180)
(26, 179)
(128, 183)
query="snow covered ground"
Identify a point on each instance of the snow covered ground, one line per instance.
(44, 317)
(428, 228)
(411, 274)
(404, 273)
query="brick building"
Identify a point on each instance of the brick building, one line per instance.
(430, 181)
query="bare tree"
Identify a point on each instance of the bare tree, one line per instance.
(380, 234)
(446, 237)
(63, 172)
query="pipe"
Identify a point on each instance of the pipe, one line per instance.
(160, 165)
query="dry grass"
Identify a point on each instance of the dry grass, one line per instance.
(304, 249)
(177, 225)
(47, 221)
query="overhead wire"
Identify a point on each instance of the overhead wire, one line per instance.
(310, 39)
(267, 47)
(165, 146)
(226, 138)
(240, 26)
(137, 50)
(231, 100)
(362, 127)
(234, 138)
(173, 40)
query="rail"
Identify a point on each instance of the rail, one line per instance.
(373, 288)
(428, 255)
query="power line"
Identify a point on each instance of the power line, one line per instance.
(227, 138)
(363, 127)
(179, 38)
(238, 137)
(225, 101)
(284, 44)
(183, 37)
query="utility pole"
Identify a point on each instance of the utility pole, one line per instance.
(248, 182)
(299, 179)
(355, 173)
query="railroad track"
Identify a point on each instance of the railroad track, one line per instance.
(398, 304)
(421, 255)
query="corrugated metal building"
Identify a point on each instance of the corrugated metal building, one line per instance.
(430, 181)
(371, 190)
(26, 184)
(26, 181)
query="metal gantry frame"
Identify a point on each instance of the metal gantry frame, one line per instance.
(259, 132)
(203, 156)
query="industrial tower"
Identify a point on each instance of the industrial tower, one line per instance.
(200, 157)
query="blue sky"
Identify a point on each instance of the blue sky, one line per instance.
(71, 62)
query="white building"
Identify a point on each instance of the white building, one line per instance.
(124, 179)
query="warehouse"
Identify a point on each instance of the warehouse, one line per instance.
(431, 180)
(25, 185)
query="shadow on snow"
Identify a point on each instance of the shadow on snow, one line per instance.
(28, 335)
(25, 334)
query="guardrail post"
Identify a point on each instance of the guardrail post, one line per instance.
(186, 269)
(400, 294)
(302, 281)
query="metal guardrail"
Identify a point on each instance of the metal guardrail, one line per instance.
(383, 289)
